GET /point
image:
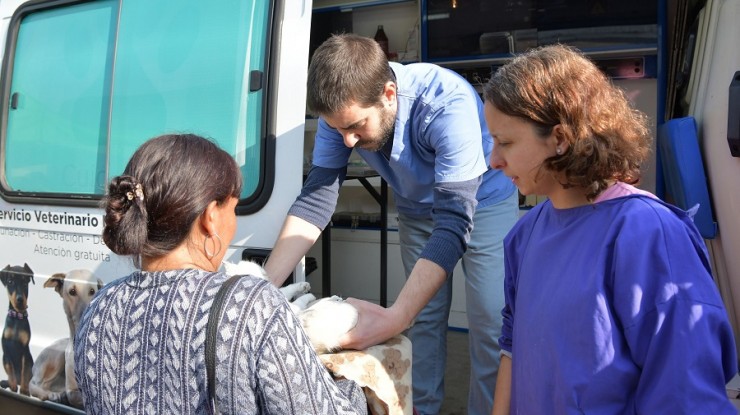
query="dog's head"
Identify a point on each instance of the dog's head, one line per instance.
(16, 280)
(77, 288)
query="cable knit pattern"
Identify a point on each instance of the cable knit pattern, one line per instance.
(140, 349)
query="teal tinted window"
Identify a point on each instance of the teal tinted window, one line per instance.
(55, 137)
(168, 66)
(186, 68)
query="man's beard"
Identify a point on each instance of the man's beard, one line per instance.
(387, 129)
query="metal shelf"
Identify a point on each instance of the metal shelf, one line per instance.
(347, 5)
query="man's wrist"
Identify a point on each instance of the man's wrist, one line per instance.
(401, 318)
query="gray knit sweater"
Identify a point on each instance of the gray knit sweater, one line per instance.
(140, 349)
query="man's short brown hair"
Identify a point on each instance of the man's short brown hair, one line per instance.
(346, 69)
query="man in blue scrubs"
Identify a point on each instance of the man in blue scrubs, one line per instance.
(422, 128)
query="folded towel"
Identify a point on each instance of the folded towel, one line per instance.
(383, 371)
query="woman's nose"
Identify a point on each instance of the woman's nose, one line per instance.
(496, 161)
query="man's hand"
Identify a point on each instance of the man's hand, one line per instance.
(375, 325)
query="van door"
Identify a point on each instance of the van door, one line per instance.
(704, 61)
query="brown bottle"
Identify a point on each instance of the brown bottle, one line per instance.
(382, 39)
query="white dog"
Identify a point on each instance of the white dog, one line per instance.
(53, 371)
(324, 320)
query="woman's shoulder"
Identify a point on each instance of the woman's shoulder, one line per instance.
(648, 208)
(644, 216)
(240, 283)
(250, 307)
(249, 290)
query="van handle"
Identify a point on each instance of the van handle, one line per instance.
(255, 81)
(14, 101)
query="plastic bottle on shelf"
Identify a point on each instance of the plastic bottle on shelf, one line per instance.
(382, 39)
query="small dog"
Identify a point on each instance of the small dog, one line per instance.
(324, 320)
(54, 371)
(17, 358)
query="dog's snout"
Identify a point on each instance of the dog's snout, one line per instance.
(20, 301)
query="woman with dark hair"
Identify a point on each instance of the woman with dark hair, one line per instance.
(141, 343)
(610, 303)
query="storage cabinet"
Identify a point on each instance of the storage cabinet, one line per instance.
(400, 20)
(485, 30)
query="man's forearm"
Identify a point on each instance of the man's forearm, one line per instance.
(296, 238)
(425, 279)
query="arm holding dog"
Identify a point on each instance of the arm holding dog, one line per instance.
(308, 216)
(454, 204)
(377, 324)
(296, 238)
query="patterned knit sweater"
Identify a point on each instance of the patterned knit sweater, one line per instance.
(140, 349)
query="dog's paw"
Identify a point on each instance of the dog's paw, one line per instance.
(295, 290)
(57, 397)
(303, 301)
(325, 321)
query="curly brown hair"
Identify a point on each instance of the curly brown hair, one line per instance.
(550, 85)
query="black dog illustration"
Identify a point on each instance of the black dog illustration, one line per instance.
(17, 358)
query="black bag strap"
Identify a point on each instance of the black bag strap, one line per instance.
(212, 336)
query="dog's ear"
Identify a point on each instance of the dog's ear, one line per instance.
(4, 275)
(100, 283)
(56, 281)
(30, 273)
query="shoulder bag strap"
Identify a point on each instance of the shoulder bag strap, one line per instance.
(212, 336)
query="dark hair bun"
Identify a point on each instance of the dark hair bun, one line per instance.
(125, 230)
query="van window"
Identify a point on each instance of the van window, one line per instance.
(87, 83)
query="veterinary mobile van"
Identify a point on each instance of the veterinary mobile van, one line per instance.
(84, 82)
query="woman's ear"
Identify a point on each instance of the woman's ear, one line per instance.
(209, 219)
(561, 143)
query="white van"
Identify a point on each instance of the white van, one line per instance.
(84, 82)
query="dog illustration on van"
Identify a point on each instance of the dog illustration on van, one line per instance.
(53, 373)
(17, 359)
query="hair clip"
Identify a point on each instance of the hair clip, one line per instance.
(138, 193)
